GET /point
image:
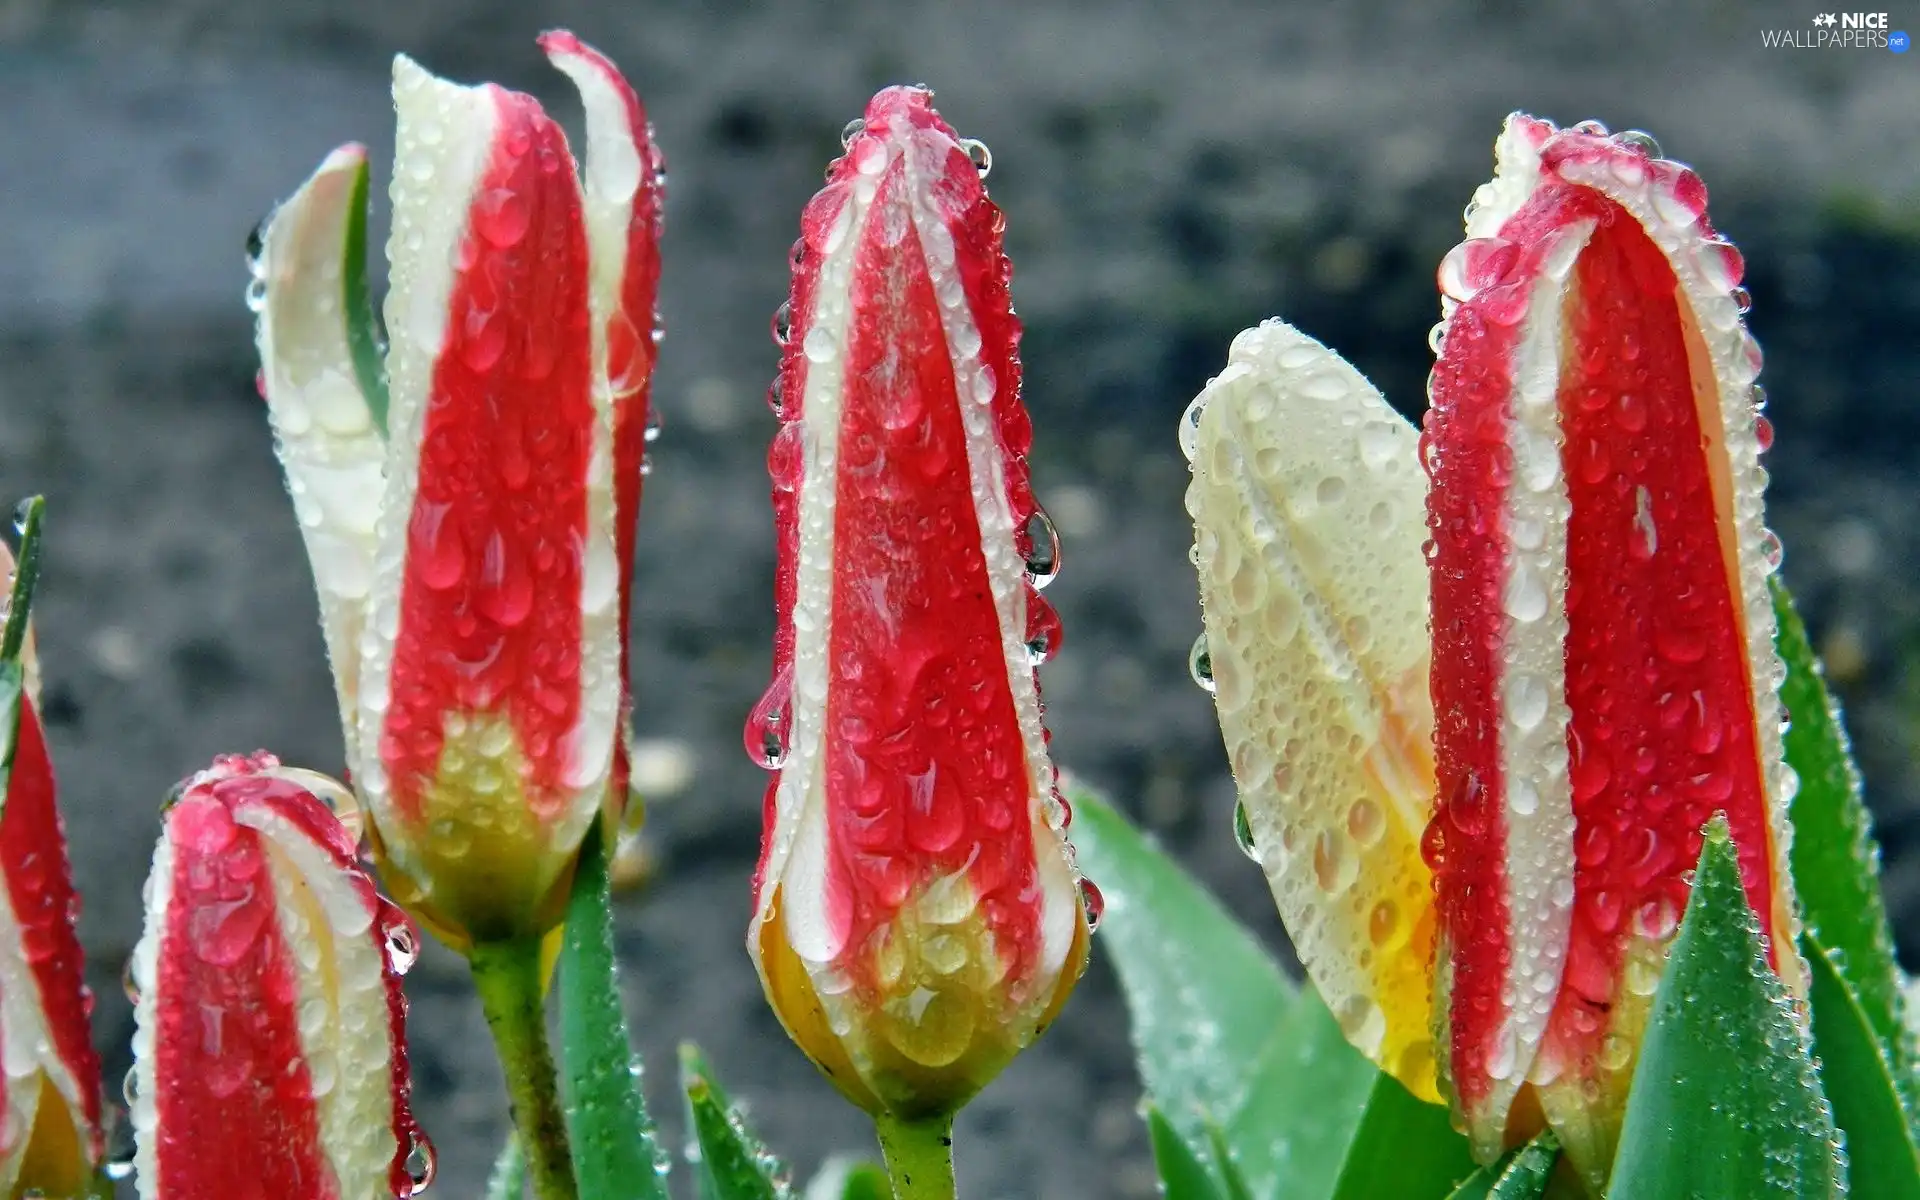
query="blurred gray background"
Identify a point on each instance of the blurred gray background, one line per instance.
(1171, 173)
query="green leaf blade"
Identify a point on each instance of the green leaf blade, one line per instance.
(733, 1164)
(1182, 1175)
(1221, 1035)
(1404, 1148)
(1725, 1099)
(615, 1152)
(1835, 861)
(1882, 1159)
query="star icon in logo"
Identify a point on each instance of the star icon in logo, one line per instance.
(1824, 19)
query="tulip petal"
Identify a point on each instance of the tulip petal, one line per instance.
(624, 182)
(1603, 654)
(326, 431)
(269, 1026)
(913, 861)
(490, 682)
(44, 1003)
(1307, 503)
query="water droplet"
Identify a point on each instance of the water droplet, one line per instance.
(422, 1163)
(978, 154)
(256, 295)
(777, 398)
(1093, 902)
(129, 984)
(1200, 664)
(1742, 301)
(1243, 833)
(1592, 127)
(783, 323)
(1335, 865)
(652, 431)
(1190, 426)
(785, 457)
(819, 345)
(1043, 556)
(1771, 550)
(851, 130)
(768, 725)
(1763, 433)
(257, 244)
(401, 943)
(1043, 630)
(1640, 140)
(1437, 338)
(130, 1085)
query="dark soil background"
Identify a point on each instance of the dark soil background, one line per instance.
(1171, 173)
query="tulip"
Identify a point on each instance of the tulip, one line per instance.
(468, 497)
(918, 917)
(1602, 661)
(50, 1133)
(269, 1045)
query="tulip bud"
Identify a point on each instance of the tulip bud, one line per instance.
(269, 1048)
(918, 916)
(1307, 504)
(1603, 661)
(468, 501)
(50, 1134)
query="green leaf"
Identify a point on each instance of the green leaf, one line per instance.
(1221, 1035)
(842, 1178)
(1836, 865)
(26, 573)
(1182, 1175)
(614, 1149)
(363, 330)
(1404, 1147)
(510, 1173)
(1725, 1099)
(1882, 1160)
(733, 1164)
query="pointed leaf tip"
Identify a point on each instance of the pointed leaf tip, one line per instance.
(1725, 1098)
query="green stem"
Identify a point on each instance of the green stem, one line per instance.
(919, 1156)
(507, 976)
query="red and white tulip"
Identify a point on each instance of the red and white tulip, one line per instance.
(269, 1047)
(1602, 672)
(468, 498)
(50, 1130)
(918, 915)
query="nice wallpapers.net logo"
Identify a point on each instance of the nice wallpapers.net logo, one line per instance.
(1840, 31)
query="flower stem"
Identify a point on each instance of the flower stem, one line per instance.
(919, 1156)
(507, 976)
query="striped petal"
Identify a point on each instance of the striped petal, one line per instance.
(1307, 504)
(50, 1137)
(490, 668)
(1603, 660)
(625, 182)
(269, 1043)
(918, 915)
(325, 396)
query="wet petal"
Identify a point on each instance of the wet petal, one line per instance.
(916, 891)
(1307, 503)
(491, 681)
(269, 1025)
(326, 432)
(50, 1136)
(1603, 653)
(625, 181)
